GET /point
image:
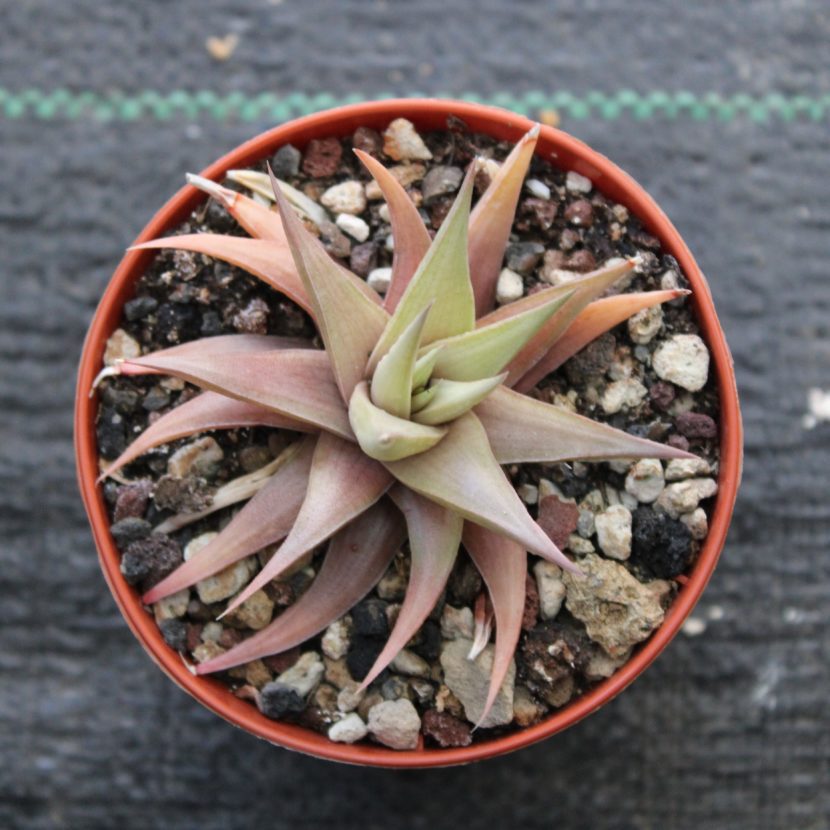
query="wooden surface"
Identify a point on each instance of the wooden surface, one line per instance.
(730, 728)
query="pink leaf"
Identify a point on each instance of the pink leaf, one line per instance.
(523, 430)
(349, 323)
(462, 474)
(434, 535)
(205, 412)
(503, 565)
(356, 560)
(492, 219)
(411, 236)
(258, 220)
(594, 320)
(270, 261)
(265, 519)
(297, 383)
(342, 484)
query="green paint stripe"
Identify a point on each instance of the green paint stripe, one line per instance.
(269, 107)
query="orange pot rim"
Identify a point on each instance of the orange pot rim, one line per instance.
(567, 153)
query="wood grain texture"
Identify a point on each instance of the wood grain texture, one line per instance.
(730, 728)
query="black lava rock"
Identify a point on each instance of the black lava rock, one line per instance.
(147, 561)
(211, 324)
(176, 323)
(122, 399)
(278, 700)
(139, 308)
(129, 530)
(428, 643)
(363, 651)
(174, 633)
(369, 618)
(465, 583)
(111, 432)
(662, 544)
(523, 257)
(286, 162)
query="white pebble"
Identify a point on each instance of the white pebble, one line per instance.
(680, 468)
(509, 287)
(684, 496)
(402, 142)
(550, 587)
(683, 359)
(395, 723)
(120, 346)
(346, 197)
(576, 183)
(539, 189)
(349, 730)
(383, 213)
(697, 522)
(643, 325)
(614, 531)
(354, 226)
(645, 480)
(622, 394)
(335, 641)
(379, 279)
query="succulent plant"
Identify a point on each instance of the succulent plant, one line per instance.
(411, 410)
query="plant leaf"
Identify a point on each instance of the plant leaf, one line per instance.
(261, 184)
(349, 323)
(462, 475)
(442, 279)
(492, 219)
(270, 261)
(204, 413)
(523, 430)
(503, 565)
(392, 381)
(585, 289)
(256, 219)
(342, 484)
(485, 351)
(595, 319)
(303, 386)
(357, 558)
(408, 230)
(453, 398)
(434, 535)
(386, 437)
(423, 368)
(265, 519)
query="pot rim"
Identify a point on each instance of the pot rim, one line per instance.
(566, 152)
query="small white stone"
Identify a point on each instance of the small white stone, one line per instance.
(389, 243)
(620, 465)
(529, 493)
(645, 480)
(643, 325)
(457, 623)
(199, 457)
(395, 723)
(408, 663)
(539, 189)
(680, 468)
(405, 174)
(305, 675)
(212, 631)
(683, 359)
(346, 197)
(379, 279)
(622, 394)
(620, 213)
(684, 496)
(335, 641)
(697, 522)
(383, 213)
(614, 531)
(349, 697)
(509, 287)
(172, 607)
(629, 501)
(354, 226)
(401, 142)
(224, 584)
(579, 546)
(559, 276)
(255, 612)
(491, 167)
(576, 183)
(349, 730)
(669, 280)
(550, 587)
(548, 488)
(120, 346)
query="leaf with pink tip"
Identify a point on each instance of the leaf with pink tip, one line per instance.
(342, 484)
(461, 474)
(270, 261)
(595, 319)
(434, 535)
(264, 520)
(441, 280)
(204, 413)
(357, 558)
(492, 220)
(523, 430)
(503, 565)
(408, 230)
(297, 383)
(349, 323)
(258, 220)
(583, 291)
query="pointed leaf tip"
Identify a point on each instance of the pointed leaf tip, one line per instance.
(452, 398)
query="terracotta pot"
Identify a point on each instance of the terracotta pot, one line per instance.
(569, 154)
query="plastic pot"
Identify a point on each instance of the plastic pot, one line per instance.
(568, 153)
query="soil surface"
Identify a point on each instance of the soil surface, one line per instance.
(626, 522)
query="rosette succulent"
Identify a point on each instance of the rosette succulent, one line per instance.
(411, 410)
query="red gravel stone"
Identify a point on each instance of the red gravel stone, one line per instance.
(368, 140)
(696, 425)
(322, 157)
(531, 611)
(132, 499)
(582, 261)
(679, 442)
(278, 663)
(580, 213)
(662, 394)
(558, 519)
(194, 635)
(445, 729)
